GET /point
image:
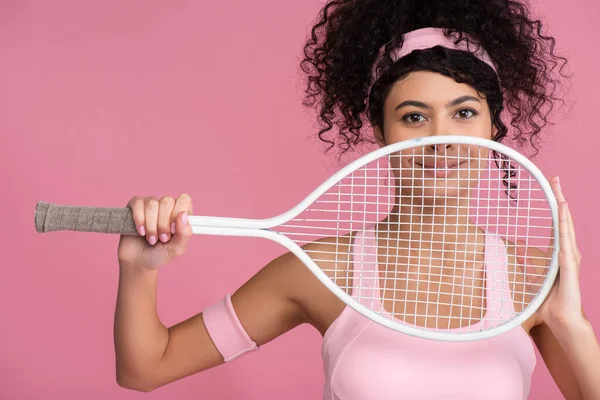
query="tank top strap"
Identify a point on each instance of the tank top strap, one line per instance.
(498, 291)
(364, 268)
(365, 287)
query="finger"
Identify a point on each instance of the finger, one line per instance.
(165, 208)
(179, 241)
(183, 203)
(566, 253)
(136, 204)
(571, 225)
(563, 226)
(151, 210)
(567, 261)
(556, 188)
(573, 236)
(560, 198)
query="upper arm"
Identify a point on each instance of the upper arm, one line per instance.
(266, 306)
(556, 361)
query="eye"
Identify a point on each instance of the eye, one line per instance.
(413, 118)
(465, 113)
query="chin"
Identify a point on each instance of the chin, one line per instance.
(439, 191)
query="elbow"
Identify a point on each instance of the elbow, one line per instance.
(138, 382)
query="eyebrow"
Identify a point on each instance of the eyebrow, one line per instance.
(420, 104)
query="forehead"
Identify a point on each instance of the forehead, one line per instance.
(429, 87)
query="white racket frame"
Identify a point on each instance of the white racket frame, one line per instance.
(205, 225)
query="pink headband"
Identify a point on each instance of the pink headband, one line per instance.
(427, 38)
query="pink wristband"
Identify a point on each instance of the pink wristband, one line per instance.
(226, 330)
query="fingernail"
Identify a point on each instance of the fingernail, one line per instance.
(558, 183)
(173, 228)
(152, 240)
(142, 231)
(163, 237)
(184, 218)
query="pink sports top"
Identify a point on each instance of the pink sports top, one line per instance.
(363, 360)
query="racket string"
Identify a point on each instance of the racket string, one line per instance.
(410, 203)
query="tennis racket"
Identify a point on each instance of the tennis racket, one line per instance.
(450, 238)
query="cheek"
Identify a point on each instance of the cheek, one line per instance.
(481, 127)
(395, 130)
(478, 128)
(395, 133)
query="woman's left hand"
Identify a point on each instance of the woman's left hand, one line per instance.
(562, 307)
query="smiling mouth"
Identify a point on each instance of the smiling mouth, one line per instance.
(440, 165)
(440, 169)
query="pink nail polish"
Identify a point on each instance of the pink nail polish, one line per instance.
(184, 218)
(142, 231)
(558, 183)
(173, 228)
(152, 240)
(163, 237)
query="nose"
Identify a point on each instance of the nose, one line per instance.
(440, 147)
(439, 128)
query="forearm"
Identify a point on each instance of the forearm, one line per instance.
(582, 350)
(140, 337)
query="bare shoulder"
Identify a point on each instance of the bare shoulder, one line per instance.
(287, 288)
(535, 257)
(527, 265)
(332, 256)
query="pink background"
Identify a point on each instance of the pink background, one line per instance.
(100, 101)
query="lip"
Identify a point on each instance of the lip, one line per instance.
(440, 169)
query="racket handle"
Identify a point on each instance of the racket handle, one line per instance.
(52, 217)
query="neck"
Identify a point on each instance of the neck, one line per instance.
(438, 221)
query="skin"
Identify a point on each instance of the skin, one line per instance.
(149, 354)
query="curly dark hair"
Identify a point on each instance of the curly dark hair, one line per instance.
(345, 41)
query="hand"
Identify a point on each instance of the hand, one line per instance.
(164, 231)
(562, 307)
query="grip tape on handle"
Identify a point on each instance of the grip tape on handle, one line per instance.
(52, 217)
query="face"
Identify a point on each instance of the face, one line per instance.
(426, 104)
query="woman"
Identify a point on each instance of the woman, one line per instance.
(360, 66)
